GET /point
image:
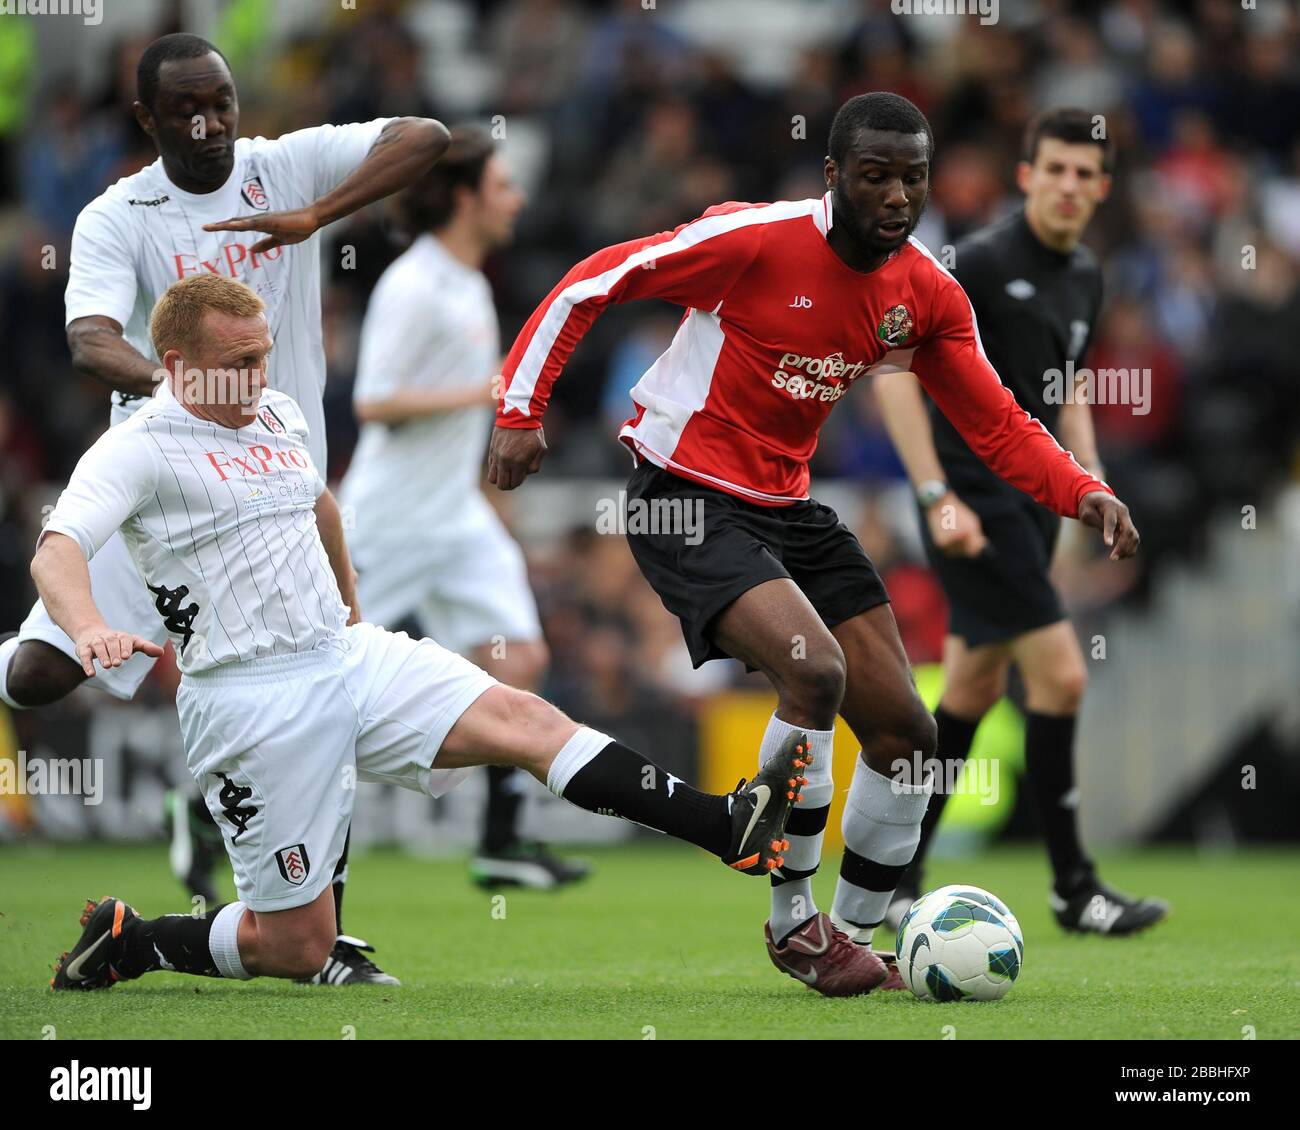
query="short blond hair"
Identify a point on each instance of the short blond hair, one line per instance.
(178, 314)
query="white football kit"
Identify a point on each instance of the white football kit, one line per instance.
(424, 540)
(143, 234)
(282, 706)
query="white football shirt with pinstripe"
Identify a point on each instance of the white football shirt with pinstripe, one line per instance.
(220, 523)
(143, 234)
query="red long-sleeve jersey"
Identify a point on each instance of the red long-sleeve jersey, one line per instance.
(777, 329)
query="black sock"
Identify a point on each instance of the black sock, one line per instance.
(502, 812)
(200, 813)
(177, 943)
(954, 742)
(620, 782)
(1049, 770)
(339, 880)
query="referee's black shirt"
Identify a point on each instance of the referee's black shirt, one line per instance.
(1035, 310)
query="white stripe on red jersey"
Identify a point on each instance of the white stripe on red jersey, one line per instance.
(777, 329)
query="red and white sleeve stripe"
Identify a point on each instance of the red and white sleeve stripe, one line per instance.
(694, 266)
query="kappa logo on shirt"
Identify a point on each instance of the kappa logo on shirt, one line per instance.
(154, 203)
(254, 194)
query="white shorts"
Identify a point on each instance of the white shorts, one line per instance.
(126, 603)
(469, 590)
(278, 744)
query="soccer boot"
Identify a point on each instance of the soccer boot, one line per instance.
(525, 864)
(761, 808)
(1095, 908)
(822, 957)
(348, 964)
(88, 965)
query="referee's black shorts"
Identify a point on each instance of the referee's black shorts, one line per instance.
(1007, 590)
(740, 545)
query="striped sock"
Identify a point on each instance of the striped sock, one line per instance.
(882, 826)
(792, 896)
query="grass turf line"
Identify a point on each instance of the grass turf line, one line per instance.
(663, 943)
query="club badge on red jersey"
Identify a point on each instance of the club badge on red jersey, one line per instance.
(895, 327)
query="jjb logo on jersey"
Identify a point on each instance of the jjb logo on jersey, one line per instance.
(293, 864)
(255, 195)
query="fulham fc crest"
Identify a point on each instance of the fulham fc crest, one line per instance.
(293, 864)
(895, 327)
(254, 195)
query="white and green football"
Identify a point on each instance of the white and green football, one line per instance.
(960, 943)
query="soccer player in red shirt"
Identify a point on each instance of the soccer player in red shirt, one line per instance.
(787, 305)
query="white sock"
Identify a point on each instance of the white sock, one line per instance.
(7, 651)
(223, 942)
(882, 826)
(573, 756)
(792, 898)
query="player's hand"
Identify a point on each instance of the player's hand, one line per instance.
(111, 648)
(1106, 513)
(283, 227)
(354, 605)
(955, 528)
(513, 455)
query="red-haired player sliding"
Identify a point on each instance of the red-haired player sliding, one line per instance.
(787, 304)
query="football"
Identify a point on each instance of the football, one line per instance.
(960, 943)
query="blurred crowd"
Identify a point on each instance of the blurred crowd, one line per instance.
(626, 118)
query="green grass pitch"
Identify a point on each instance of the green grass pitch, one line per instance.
(663, 943)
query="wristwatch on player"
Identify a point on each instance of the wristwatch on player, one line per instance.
(930, 492)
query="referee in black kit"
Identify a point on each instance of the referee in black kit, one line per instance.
(1036, 292)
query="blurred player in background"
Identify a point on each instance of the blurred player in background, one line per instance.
(787, 305)
(1036, 291)
(427, 546)
(172, 220)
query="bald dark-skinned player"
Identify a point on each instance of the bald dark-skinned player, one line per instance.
(1036, 291)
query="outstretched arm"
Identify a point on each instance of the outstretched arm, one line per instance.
(951, 365)
(694, 266)
(405, 150)
(63, 581)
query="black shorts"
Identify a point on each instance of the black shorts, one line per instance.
(739, 545)
(1006, 591)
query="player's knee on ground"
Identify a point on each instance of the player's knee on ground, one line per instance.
(41, 674)
(293, 950)
(812, 685)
